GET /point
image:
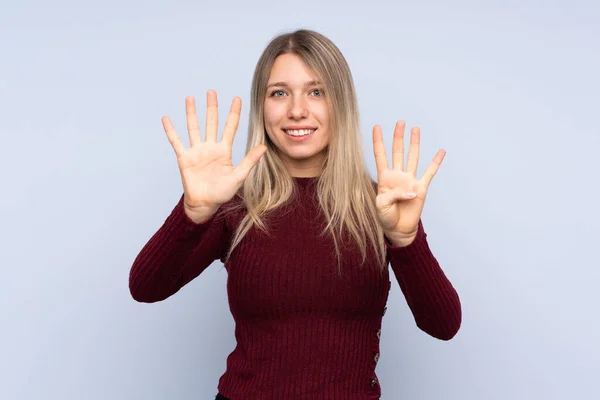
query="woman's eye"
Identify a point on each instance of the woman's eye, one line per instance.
(279, 93)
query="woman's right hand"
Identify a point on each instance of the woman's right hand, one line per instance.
(208, 176)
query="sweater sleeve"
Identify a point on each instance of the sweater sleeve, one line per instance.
(176, 254)
(434, 302)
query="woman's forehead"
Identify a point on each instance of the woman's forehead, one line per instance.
(291, 69)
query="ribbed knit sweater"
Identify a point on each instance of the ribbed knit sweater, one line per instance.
(303, 330)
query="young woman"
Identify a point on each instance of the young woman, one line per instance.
(305, 234)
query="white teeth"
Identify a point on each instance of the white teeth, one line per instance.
(299, 132)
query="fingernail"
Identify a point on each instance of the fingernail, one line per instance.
(411, 194)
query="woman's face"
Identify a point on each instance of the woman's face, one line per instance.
(296, 116)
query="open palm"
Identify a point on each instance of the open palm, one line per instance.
(400, 195)
(209, 178)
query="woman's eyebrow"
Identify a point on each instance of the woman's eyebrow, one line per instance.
(284, 84)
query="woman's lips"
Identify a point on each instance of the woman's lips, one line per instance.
(300, 137)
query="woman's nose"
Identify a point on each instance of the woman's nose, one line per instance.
(298, 109)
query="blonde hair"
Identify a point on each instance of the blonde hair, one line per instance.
(345, 191)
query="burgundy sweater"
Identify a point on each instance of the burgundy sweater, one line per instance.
(303, 331)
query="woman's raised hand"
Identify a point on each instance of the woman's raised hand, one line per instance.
(208, 176)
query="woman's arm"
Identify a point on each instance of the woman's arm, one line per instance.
(434, 302)
(176, 254)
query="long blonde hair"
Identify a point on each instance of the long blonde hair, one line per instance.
(345, 191)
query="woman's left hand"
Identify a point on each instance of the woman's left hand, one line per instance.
(398, 210)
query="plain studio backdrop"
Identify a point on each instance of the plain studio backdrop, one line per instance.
(509, 88)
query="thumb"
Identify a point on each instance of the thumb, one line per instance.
(250, 161)
(389, 198)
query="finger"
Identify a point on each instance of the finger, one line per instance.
(398, 147)
(212, 116)
(379, 149)
(413, 151)
(249, 162)
(233, 119)
(173, 136)
(433, 167)
(192, 121)
(388, 198)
